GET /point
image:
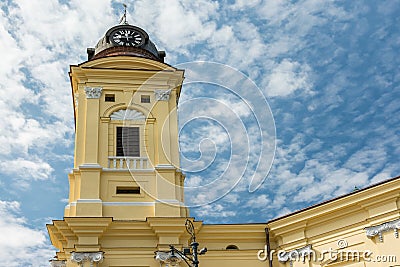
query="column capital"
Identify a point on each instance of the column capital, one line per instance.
(377, 230)
(58, 263)
(162, 95)
(93, 92)
(81, 257)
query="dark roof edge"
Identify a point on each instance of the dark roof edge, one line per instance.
(333, 199)
(134, 56)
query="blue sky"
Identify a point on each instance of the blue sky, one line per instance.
(329, 72)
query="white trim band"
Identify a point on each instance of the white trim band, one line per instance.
(90, 166)
(88, 200)
(147, 204)
(165, 167)
(170, 201)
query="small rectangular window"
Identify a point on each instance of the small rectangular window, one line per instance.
(130, 190)
(109, 98)
(145, 99)
(128, 142)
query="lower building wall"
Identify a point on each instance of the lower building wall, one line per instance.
(360, 229)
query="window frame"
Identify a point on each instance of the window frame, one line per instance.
(119, 138)
(145, 97)
(109, 98)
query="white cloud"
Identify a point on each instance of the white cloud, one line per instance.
(367, 160)
(389, 171)
(287, 77)
(283, 212)
(260, 201)
(20, 134)
(240, 44)
(275, 11)
(41, 39)
(335, 183)
(322, 175)
(242, 4)
(27, 170)
(21, 245)
(215, 210)
(177, 24)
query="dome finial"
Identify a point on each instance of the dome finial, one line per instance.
(123, 18)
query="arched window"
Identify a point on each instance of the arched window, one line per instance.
(127, 115)
(127, 135)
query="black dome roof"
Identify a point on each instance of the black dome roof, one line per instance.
(106, 47)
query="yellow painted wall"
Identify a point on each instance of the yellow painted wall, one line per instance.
(337, 229)
(97, 172)
(325, 227)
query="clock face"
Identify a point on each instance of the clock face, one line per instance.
(127, 37)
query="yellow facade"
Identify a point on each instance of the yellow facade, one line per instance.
(122, 209)
(98, 171)
(359, 229)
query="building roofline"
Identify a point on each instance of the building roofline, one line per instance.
(334, 199)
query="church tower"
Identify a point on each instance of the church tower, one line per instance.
(126, 148)
(126, 178)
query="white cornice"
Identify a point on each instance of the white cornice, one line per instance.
(90, 166)
(127, 170)
(128, 203)
(170, 201)
(165, 167)
(95, 201)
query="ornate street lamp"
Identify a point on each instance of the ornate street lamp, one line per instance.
(189, 255)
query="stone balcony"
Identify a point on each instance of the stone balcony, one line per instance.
(129, 163)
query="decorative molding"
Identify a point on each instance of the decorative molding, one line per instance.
(150, 120)
(90, 166)
(76, 99)
(58, 263)
(89, 200)
(127, 114)
(161, 256)
(295, 254)
(170, 201)
(81, 257)
(165, 167)
(105, 119)
(377, 230)
(164, 256)
(93, 92)
(162, 95)
(130, 204)
(126, 170)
